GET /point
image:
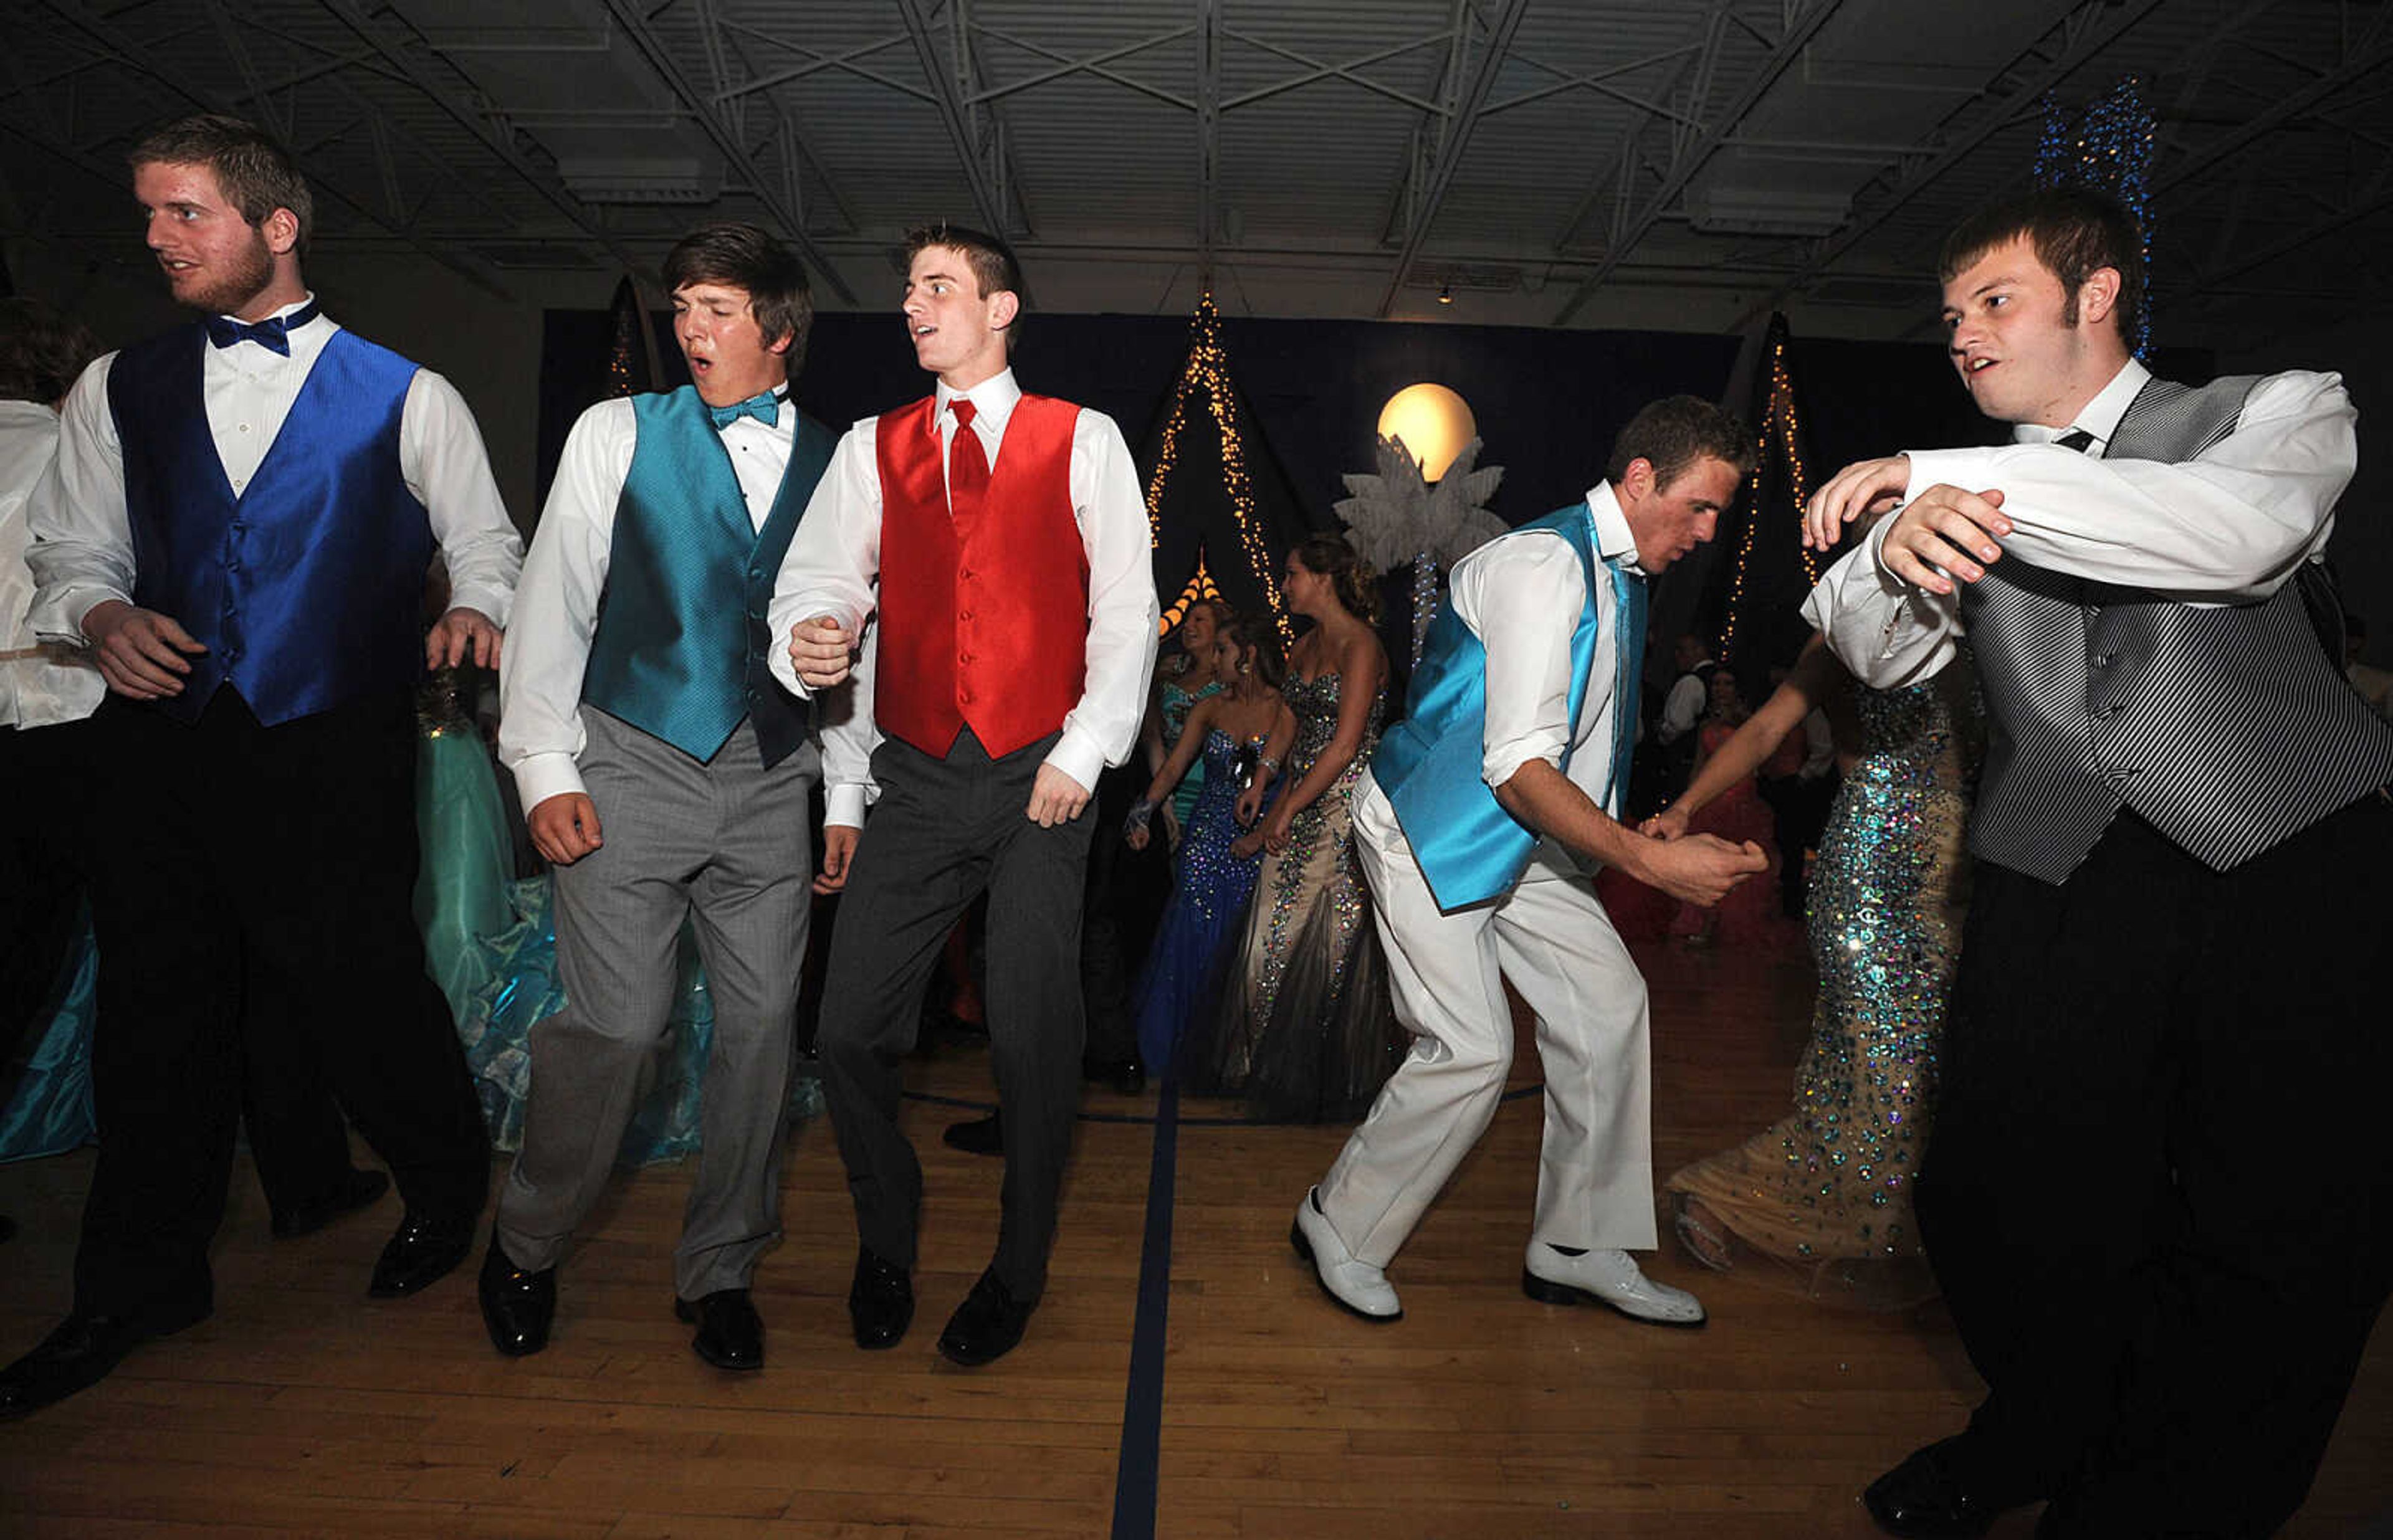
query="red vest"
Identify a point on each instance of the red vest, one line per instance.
(983, 621)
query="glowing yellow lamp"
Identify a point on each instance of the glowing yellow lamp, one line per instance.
(1433, 422)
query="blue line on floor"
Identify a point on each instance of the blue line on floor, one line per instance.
(1135, 1475)
(965, 1103)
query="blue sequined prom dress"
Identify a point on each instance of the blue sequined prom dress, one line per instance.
(1209, 897)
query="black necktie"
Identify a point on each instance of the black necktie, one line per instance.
(2077, 440)
(273, 334)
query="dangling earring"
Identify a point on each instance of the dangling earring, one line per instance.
(1246, 668)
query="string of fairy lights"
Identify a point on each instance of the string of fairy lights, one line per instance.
(1779, 431)
(2108, 148)
(1208, 370)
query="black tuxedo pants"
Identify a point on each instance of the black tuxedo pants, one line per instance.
(2157, 1193)
(945, 829)
(241, 866)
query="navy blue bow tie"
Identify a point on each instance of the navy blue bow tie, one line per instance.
(273, 334)
(764, 406)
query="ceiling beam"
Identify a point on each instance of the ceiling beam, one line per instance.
(727, 143)
(1692, 155)
(948, 85)
(1469, 96)
(1208, 120)
(2361, 62)
(2110, 22)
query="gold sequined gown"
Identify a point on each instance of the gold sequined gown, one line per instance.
(1821, 1201)
(1302, 1028)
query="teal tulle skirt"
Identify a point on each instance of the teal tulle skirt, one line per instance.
(488, 944)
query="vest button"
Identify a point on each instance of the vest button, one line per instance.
(963, 696)
(964, 574)
(963, 614)
(756, 574)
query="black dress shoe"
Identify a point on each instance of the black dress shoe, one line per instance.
(1127, 1077)
(422, 1252)
(1935, 1492)
(357, 1190)
(731, 1332)
(982, 1136)
(78, 1355)
(880, 1303)
(986, 1326)
(518, 1307)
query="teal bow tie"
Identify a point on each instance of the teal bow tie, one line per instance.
(764, 406)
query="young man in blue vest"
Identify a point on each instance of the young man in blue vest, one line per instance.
(665, 776)
(238, 524)
(1508, 772)
(2155, 1193)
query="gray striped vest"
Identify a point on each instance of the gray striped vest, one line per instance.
(2224, 727)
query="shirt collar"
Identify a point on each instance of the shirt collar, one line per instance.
(1613, 539)
(992, 400)
(289, 310)
(2099, 416)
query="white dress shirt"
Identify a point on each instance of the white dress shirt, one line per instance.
(556, 604)
(1690, 696)
(834, 569)
(40, 685)
(82, 551)
(2228, 527)
(1521, 596)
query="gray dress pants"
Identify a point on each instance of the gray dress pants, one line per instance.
(725, 844)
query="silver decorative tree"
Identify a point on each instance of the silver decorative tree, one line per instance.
(1396, 516)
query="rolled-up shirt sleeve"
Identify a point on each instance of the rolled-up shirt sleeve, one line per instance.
(1519, 596)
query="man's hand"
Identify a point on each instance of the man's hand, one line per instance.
(1701, 867)
(565, 827)
(1864, 486)
(1932, 541)
(1055, 797)
(839, 854)
(1668, 824)
(140, 652)
(821, 650)
(460, 635)
(1135, 836)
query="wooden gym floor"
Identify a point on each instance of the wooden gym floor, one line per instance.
(302, 1408)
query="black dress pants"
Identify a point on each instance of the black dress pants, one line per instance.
(234, 861)
(2157, 1194)
(945, 829)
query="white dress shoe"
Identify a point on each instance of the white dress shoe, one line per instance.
(1357, 1287)
(1606, 1277)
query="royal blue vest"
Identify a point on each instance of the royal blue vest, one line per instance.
(307, 585)
(681, 643)
(1429, 764)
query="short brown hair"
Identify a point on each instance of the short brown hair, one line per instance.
(2075, 231)
(1673, 434)
(256, 174)
(746, 256)
(992, 261)
(42, 350)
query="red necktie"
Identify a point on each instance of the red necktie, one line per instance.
(967, 465)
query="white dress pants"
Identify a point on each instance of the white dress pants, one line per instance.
(1551, 937)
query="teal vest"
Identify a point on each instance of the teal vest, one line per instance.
(1429, 764)
(682, 642)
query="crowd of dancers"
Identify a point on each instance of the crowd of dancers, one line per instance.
(2124, 1125)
